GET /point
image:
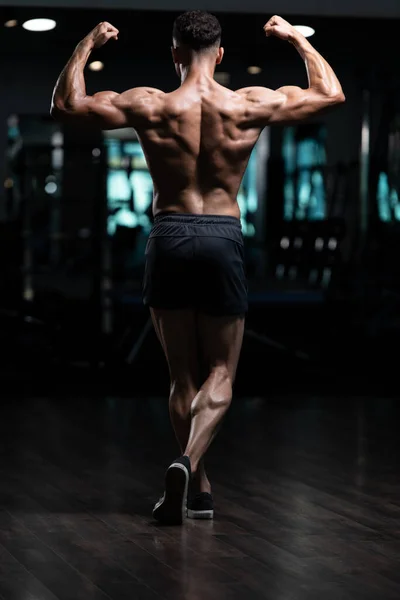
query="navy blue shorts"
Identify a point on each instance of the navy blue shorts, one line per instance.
(196, 262)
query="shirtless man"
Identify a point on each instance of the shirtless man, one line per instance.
(197, 141)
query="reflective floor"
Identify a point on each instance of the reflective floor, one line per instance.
(306, 489)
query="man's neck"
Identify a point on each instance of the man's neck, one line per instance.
(197, 70)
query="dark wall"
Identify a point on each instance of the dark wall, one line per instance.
(359, 8)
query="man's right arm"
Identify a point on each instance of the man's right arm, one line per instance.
(108, 110)
(291, 104)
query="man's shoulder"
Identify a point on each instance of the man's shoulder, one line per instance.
(141, 97)
(255, 93)
(249, 97)
(140, 93)
(141, 103)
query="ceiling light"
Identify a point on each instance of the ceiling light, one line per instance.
(305, 30)
(11, 23)
(39, 24)
(96, 65)
(254, 70)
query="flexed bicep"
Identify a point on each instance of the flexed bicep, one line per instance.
(108, 110)
(291, 104)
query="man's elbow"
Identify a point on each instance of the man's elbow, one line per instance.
(337, 98)
(340, 98)
(60, 109)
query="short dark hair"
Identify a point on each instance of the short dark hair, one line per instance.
(198, 30)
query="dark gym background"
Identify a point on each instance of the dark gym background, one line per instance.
(305, 468)
(326, 314)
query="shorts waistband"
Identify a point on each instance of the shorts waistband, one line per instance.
(169, 217)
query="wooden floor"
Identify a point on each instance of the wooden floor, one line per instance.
(307, 502)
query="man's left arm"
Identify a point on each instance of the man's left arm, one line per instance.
(108, 110)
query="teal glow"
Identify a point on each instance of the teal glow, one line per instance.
(394, 198)
(251, 174)
(142, 184)
(122, 218)
(132, 149)
(118, 187)
(248, 195)
(383, 198)
(387, 199)
(128, 185)
(304, 187)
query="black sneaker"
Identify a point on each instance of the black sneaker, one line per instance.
(171, 508)
(200, 506)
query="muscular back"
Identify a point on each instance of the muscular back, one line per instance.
(197, 141)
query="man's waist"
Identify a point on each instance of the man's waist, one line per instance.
(196, 219)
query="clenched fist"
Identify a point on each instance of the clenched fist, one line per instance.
(101, 34)
(279, 28)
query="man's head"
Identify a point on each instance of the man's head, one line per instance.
(196, 34)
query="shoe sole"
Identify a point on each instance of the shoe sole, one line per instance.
(200, 514)
(171, 510)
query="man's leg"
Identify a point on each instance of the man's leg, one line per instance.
(220, 341)
(176, 330)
